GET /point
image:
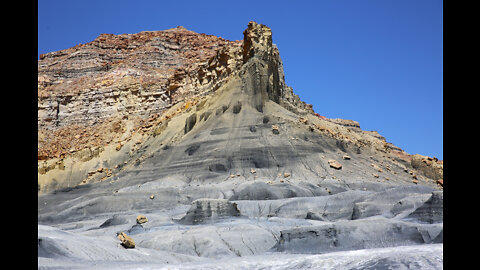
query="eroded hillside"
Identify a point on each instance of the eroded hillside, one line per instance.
(173, 147)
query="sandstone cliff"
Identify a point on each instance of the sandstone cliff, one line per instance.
(99, 102)
(114, 78)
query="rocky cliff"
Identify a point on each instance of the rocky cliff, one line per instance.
(103, 92)
(114, 78)
(116, 87)
(203, 136)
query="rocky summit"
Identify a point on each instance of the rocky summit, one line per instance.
(173, 149)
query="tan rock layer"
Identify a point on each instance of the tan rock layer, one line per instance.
(83, 89)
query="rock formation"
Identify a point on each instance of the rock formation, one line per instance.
(203, 135)
(141, 219)
(204, 210)
(126, 241)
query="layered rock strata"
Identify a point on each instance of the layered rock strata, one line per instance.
(204, 210)
(235, 167)
(102, 100)
(116, 78)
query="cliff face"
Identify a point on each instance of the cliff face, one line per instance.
(114, 78)
(203, 139)
(120, 90)
(82, 90)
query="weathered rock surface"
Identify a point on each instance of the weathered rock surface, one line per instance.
(431, 211)
(131, 77)
(354, 235)
(204, 210)
(115, 220)
(427, 166)
(264, 191)
(252, 79)
(69, 250)
(126, 241)
(141, 219)
(203, 136)
(335, 164)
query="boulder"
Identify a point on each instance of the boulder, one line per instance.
(275, 129)
(127, 241)
(119, 146)
(141, 219)
(440, 182)
(334, 164)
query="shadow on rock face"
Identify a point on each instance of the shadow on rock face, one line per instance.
(115, 220)
(218, 167)
(48, 248)
(137, 228)
(237, 107)
(204, 210)
(355, 235)
(431, 211)
(192, 149)
(190, 122)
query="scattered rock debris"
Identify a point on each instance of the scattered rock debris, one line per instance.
(275, 129)
(334, 164)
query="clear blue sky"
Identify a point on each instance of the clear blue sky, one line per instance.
(378, 62)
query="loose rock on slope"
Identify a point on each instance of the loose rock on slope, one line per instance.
(127, 241)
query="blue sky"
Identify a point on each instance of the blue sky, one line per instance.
(378, 62)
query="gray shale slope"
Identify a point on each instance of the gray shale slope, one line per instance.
(246, 173)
